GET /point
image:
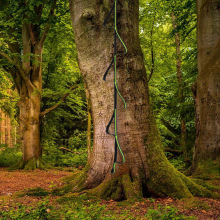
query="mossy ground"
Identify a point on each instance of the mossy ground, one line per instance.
(207, 170)
(31, 164)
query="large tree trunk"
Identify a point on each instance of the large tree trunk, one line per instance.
(146, 170)
(207, 150)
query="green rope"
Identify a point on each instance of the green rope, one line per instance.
(114, 116)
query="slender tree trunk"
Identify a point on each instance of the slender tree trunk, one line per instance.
(181, 94)
(2, 128)
(146, 170)
(207, 97)
(30, 131)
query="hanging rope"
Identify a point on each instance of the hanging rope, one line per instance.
(116, 91)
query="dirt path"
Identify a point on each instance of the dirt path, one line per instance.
(11, 182)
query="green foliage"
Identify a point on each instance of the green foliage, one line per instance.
(8, 97)
(9, 156)
(65, 126)
(178, 163)
(56, 156)
(36, 192)
(45, 211)
(167, 213)
(158, 45)
(41, 211)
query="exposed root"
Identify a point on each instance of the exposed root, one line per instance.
(206, 170)
(196, 189)
(163, 182)
(117, 189)
(75, 183)
(131, 189)
(111, 189)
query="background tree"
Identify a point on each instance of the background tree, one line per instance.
(163, 85)
(146, 170)
(207, 150)
(22, 39)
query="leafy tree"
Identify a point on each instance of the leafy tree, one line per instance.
(165, 87)
(24, 29)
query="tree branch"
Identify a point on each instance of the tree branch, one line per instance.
(63, 148)
(15, 77)
(175, 152)
(8, 58)
(58, 103)
(18, 69)
(47, 26)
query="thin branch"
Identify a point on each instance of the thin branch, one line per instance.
(47, 26)
(58, 103)
(6, 57)
(18, 69)
(175, 152)
(63, 148)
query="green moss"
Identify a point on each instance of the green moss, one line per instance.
(107, 189)
(74, 184)
(206, 184)
(132, 190)
(128, 187)
(207, 170)
(36, 192)
(165, 181)
(196, 189)
(195, 203)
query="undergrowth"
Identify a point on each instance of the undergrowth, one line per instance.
(9, 156)
(74, 207)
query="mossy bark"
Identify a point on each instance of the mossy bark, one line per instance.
(146, 171)
(207, 93)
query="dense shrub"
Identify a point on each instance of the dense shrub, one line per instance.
(9, 156)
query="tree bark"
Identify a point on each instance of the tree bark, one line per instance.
(30, 131)
(89, 125)
(207, 148)
(146, 170)
(2, 123)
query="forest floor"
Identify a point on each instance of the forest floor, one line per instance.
(25, 195)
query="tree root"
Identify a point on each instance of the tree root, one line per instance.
(165, 182)
(206, 170)
(196, 189)
(74, 183)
